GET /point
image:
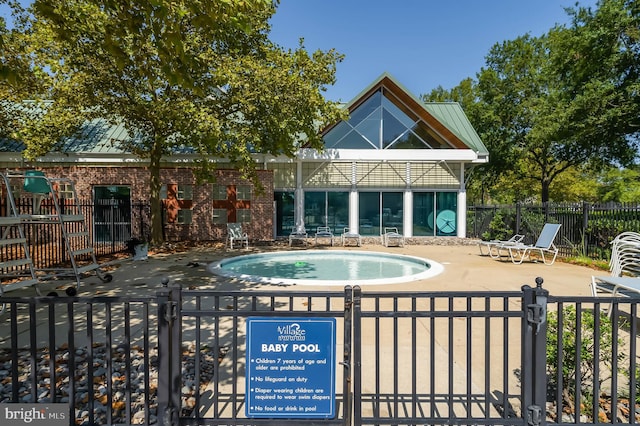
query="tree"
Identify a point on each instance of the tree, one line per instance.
(560, 111)
(598, 60)
(552, 105)
(20, 78)
(200, 76)
(484, 178)
(619, 185)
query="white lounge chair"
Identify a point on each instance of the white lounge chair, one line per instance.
(324, 232)
(624, 266)
(492, 244)
(544, 245)
(391, 236)
(235, 234)
(350, 236)
(298, 234)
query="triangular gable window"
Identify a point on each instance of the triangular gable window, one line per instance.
(383, 122)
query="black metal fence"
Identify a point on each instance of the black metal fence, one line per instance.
(110, 225)
(587, 229)
(180, 357)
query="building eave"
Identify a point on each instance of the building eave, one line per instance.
(410, 155)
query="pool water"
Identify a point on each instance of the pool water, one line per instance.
(321, 267)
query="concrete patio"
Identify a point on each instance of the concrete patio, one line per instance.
(464, 270)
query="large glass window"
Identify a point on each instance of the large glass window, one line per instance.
(338, 211)
(383, 122)
(392, 213)
(285, 209)
(369, 213)
(446, 217)
(434, 213)
(326, 208)
(423, 218)
(379, 210)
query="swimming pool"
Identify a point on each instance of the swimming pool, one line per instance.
(322, 267)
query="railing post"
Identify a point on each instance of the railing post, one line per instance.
(585, 224)
(534, 354)
(357, 356)
(346, 361)
(169, 354)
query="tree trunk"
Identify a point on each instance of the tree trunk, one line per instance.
(154, 199)
(545, 190)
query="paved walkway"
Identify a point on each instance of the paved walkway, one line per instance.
(464, 270)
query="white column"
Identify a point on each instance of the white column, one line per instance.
(354, 211)
(462, 206)
(407, 220)
(407, 203)
(354, 206)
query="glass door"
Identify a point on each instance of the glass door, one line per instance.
(111, 214)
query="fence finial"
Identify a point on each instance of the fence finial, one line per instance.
(539, 282)
(165, 281)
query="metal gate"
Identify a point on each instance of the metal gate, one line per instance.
(408, 358)
(403, 358)
(212, 325)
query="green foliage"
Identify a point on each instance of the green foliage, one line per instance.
(200, 76)
(500, 227)
(578, 360)
(549, 106)
(619, 185)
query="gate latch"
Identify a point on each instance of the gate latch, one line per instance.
(535, 314)
(534, 415)
(171, 311)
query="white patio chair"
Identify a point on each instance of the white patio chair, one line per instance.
(624, 265)
(235, 234)
(350, 236)
(492, 244)
(298, 234)
(324, 232)
(543, 246)
(391, 236)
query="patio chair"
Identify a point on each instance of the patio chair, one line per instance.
(298, 234)
(544, 245)
(624, 266)
(350, 236)
(235, 234)
(324, 232)
(391, 236)
(492, 244)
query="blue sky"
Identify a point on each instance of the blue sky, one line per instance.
(422, 43)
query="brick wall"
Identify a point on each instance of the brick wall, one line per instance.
(202, 228)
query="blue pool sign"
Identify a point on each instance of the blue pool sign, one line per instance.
(291, 367)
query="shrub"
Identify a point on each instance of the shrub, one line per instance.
(586, 365)
(499, 228)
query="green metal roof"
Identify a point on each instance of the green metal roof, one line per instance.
(97, 137)
(101, 137)
(453, 117)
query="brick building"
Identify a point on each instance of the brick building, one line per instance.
(395, 162)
